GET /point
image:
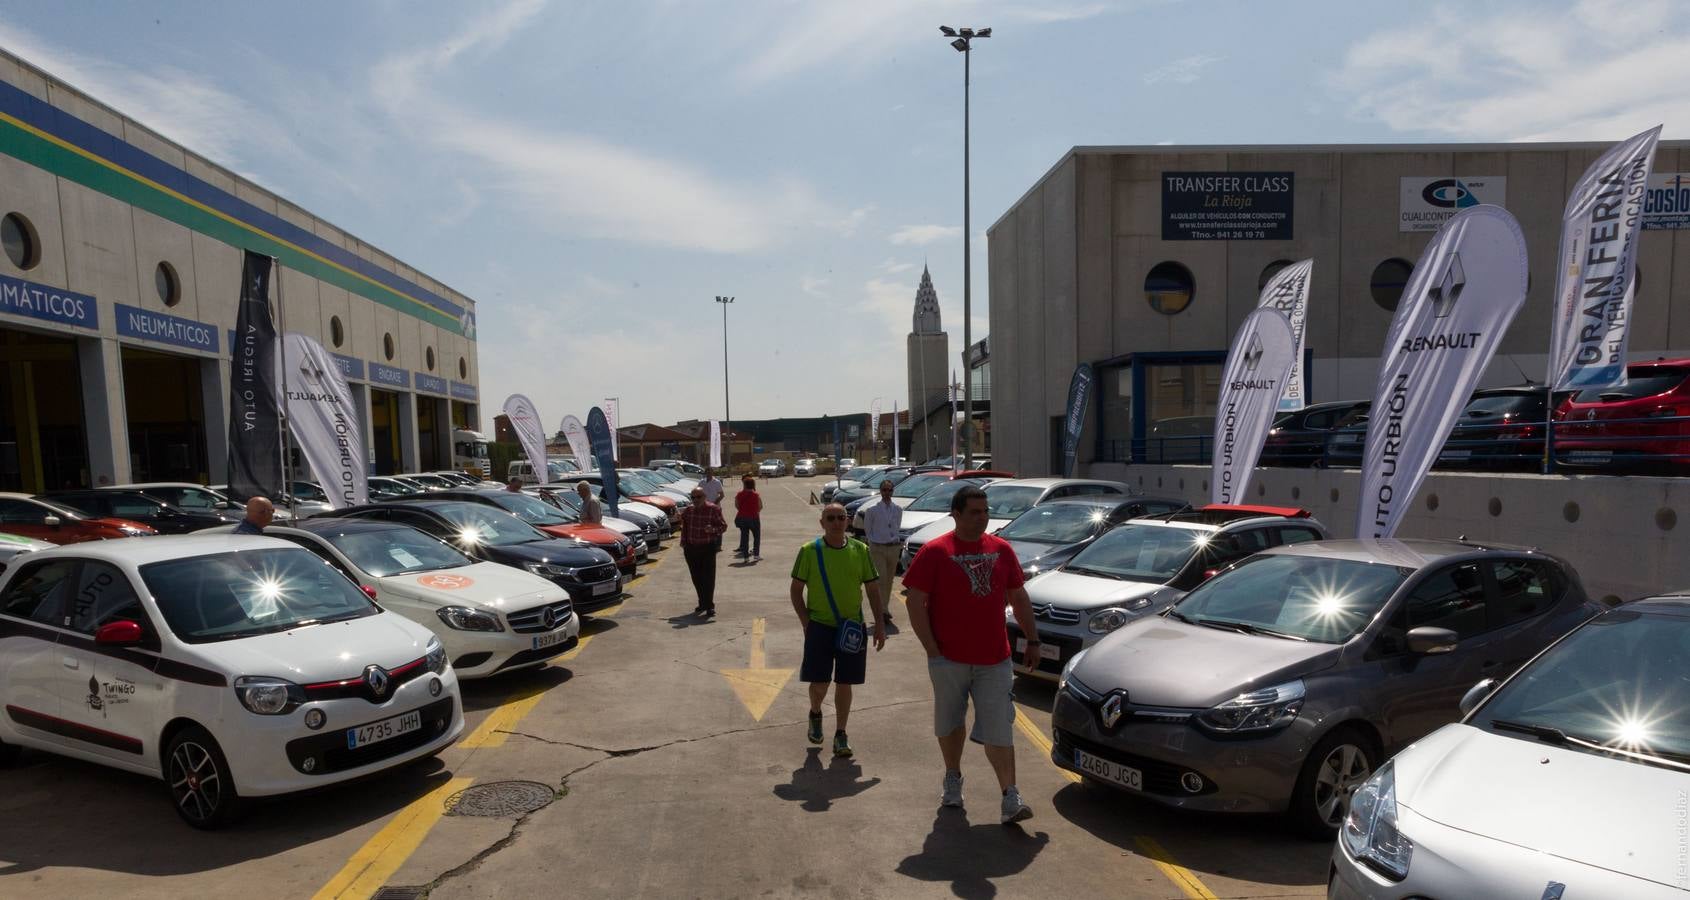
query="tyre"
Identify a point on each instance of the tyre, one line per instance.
(201, 786)
(1336, 766)
(8, 755)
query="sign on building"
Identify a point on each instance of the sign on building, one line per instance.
(1226, 206)
(1666, 202)
(1427, 201)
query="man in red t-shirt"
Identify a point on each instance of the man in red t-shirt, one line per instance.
(958, 586)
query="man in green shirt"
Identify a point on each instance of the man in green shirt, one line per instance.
(849, 570)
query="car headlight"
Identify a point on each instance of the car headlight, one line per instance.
(545, 570)
(1259, 710)
(268, 696)
(1062, 682)
(436, 656)
(1370, 828)
(463, 618)
(1106, 620)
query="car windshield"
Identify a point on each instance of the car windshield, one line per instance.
(857, 474)
(938, 499)
(480, 524)
(917, 485)
(532, 510)
(1617, 683)
(190, 498)
(1055, 523)
(1006, 501)
(1498, 405)
(1302, 597)
(393, 486)
(305, 490)
(1140, 553)
(640, 483)
(61, 510)
(1640, 381)
(397, 551)
(235, 595)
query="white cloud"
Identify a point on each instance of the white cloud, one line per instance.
(848, 224)
(892, 266)
(815, 287)
(921, 235)
(1182, 71)
(1602, 69)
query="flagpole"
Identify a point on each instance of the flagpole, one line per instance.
(282, 407)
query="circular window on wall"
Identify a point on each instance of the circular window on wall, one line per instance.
(1389, 278)
(463, 368)
(169, 287)
(1269, 271)
(337, 331)
(23, 246)
(1169, 288)
(387, 346)
(428, 358)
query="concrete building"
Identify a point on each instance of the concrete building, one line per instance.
(1143, 261)
(118, 287)
(928, 349)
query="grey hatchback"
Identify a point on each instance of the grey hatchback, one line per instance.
(1280, 684)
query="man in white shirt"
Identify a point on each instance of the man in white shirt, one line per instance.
(881, 522)
(712, 487)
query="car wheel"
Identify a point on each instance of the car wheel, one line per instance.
(201, 786)
(1331, 773)
(8, 754)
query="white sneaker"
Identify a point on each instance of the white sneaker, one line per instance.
(952, 795)
(1013, 809)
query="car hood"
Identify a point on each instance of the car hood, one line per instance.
(484, 585)
(1163, 662)
(635, 507)
(1045, 556)
(1071, 591)
(1592, 809)
(555, 551)
(944, 524)
(624, 527)
(317, 653)
(114, 522)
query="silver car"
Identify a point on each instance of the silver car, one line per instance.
(1569, 777)
(1281, 684)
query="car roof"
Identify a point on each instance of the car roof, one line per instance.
(1416, 553)
(1676, 603)
(1110, 501)
(321, 525)
(151, 549)
(1059, 482)
(132, 485)
(1216, 516)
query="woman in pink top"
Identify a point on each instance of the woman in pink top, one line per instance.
(748, 508)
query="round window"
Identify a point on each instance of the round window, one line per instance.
(169, 287)
(387, 346)
(1169, 288)
(22, 245)
(337, 331)
(428, 358)
(463, 368)
(1389, 279)
(1268, 272)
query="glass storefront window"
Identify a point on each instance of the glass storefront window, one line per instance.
(1115, 404)
(1180, 412)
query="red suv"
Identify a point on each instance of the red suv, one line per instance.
(36, 518)
(1644, 422)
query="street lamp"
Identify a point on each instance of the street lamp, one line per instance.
(727, 407)
(964, 41)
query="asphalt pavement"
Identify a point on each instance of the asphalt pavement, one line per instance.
(663, 757)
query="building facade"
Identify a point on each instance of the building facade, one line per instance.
(118, 293)
(1143, 261)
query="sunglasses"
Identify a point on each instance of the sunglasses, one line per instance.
(834, 518)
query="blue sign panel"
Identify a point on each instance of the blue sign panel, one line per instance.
(429, 383)
(135, 322)
(461, 391)
(388, 375)
(349, 367)
(39, 301)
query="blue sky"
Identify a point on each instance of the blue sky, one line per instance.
(593, 174)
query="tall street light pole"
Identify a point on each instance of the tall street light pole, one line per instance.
(964, 42)
(727, 406)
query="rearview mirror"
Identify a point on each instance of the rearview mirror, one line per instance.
(122, 633)
(1427, 640)
(1476, 695)
(51, 521)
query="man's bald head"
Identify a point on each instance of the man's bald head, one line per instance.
(259, 511)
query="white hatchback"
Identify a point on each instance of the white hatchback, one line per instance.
(227, 667)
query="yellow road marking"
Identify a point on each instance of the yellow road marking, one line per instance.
(757, 686)
(383, 854)
(1040, 741)
(492, 732)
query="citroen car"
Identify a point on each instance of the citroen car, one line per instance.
(646, 530)
(805, 467)
(193, 497)
(228, 669)
(1049, 534)
(44, 520)
(1006, 498)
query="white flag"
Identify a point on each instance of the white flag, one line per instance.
(576, 434)
(323, 420)
(525, 421)
(1256, 370)
(1596, 271)
(895, 430)
(874, 422)
(715, 444)
(613, 419)
(1288, 292)
(1469, 283)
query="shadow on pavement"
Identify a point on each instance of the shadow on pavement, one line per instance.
(969, 856)
(487, 693)
(1254, 848)
(1040, 695)
(689, 620)
(816, 787)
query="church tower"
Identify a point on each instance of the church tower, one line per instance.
(929, 360)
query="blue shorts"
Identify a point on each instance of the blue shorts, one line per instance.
(824, 661)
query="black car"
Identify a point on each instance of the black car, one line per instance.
(1299, 438)
(1499, 428)
(540, 514)
(1048, 535)
(486, 533)
(138, 506)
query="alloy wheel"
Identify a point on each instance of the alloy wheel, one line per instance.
(1340, 773)
(195, 782)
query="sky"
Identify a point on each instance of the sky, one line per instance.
(593, 175)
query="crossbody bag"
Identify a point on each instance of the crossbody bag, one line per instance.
(852, 636)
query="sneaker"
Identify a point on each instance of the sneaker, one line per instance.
(756, 557)
(841, 745)
(815, 728)
(953, 790)
(710, 613)
(1013, 809)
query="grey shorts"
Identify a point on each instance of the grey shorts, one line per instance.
(992, 688)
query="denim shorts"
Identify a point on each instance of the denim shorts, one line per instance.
(992, 688)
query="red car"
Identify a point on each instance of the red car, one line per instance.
(1644, 422)
(42, 520)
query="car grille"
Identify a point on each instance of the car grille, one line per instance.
(359, 685)
(532, 656)
(596, 574)
(1056, 615)
(330, 750)
(532, 620)
(1159, 777)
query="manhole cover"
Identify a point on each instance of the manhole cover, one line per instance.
(500, 799)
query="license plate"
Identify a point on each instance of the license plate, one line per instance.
(1455, 455)
(1114, 773)
(548, 640)
(608, 587)
(1590, 456)
(1046, 651)
(376, 732)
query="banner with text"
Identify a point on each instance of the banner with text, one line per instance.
(1595, 280)
(1426, 202)
(1227, 206)
(324, 420)
(525, 421)
(613, 420)
(1262, 355)
(1074, 417)
(874, 422)
(1466, 288)
(895, 448)
(576, 434)
(715, 444)
(255, 422)
(1288, 292)
(604, 453)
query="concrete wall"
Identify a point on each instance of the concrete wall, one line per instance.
(1620, 533)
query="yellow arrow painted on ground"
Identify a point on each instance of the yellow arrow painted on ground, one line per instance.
(757, 686)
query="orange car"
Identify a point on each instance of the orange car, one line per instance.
(43, 520)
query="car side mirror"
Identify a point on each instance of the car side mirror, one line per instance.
(122, 633)
(1476, 695)
(1427, 640)
(51, 521)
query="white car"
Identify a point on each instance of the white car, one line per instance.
(771, 468)
(1006, 498)
(288, 504)
(13, 544)
(492, 618)
(227, 668)
(849, 462)
(804, 467)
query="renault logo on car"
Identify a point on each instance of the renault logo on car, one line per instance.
(1111, 711)
(376, 678)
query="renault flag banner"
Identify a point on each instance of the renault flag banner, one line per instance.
(255, 428)
(576, 434)
(1074, 419)
(1288, 292)
(525, 421)
(895, 448)
(323, 419)
(1466, 288)
(874, 422)
(613, 420)
(715, 444)
(1595, 275)
(1257, 366)
(598, 437)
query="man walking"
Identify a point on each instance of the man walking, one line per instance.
(835, 568)
(712, 487)
(701, 535)
(881, 523)
(958, 585)
(259, 512)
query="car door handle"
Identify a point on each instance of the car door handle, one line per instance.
(71, 662)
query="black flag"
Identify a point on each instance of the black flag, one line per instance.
(255, 456)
